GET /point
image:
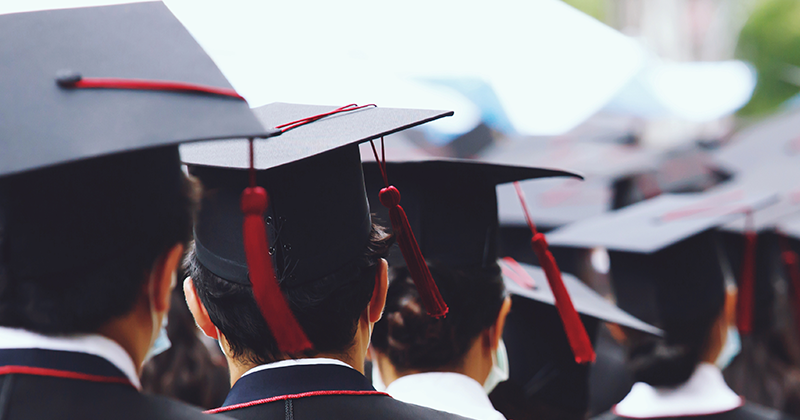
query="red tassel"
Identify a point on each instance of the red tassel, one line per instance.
(573, 326)
(269, 297)
(791, 263)
(423, 280)
(285, 329)
(429, 294)
(744, 303)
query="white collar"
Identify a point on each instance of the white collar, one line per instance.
(445, 391)
(297, 362)
(704, 393)
(94, 344)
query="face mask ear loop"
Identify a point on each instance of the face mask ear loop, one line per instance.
(219, 342)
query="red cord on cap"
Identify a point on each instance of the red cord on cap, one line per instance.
(72, 80)
(573, 326)
(791, 263)
(423, 280)
(744, 303)
(285, 329)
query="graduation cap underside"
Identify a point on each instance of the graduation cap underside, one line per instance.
(43, 123)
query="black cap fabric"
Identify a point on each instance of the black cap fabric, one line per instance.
(657, 223)
(451, 203)
(318, 216)
(679, 283)
(43, 124)
(586, 301)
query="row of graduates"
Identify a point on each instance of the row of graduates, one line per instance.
(96, 215)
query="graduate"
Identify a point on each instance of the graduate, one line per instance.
(292, 288)
(669, 268)
(452, 364)
(95, 210)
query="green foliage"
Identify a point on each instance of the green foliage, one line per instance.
(770, 40)
(593, 8)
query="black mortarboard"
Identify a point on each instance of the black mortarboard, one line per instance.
(454, 217)
(612, 172)
(657, 223)
(148, 84)
(318, 217)
(539, 353)
(666, 262)
(451, 203)
(763, 143)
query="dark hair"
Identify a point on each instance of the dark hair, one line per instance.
(413, 340)
(690, 296)
(327, 309)
(77, 240)
(189, 371)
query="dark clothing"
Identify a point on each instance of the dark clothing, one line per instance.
(322, 391)
(745, 412)
(54, 385)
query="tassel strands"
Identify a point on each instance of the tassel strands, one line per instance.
(744, 303)
(268, 295)
(573, 326)
(423, 280)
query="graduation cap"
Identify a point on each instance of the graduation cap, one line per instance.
(774, 139)
(317, 218)
(616, 175)
(87, 82)
(539, 353)
(90, 83)
(454, 218)
(662, 250)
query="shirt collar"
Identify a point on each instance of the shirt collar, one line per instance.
(298, 362)
(297, 377)
(704, 393)
(93, 344)
(445, 391)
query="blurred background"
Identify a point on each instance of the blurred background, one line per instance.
(644, 97)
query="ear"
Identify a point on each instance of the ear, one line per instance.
(496, 330)
(378, 301)
(731, 295)
(163, 277)
(198, 311)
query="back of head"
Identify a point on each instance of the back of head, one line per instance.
(688, 290)
(327, 308)
(415, 341)
(78, 240)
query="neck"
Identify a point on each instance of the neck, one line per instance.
(354, 356)
(133, 332)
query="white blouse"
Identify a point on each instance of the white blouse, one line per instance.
(704, 393)
(445, 391)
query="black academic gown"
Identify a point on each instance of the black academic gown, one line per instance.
(54, 385)
(320, 391)
(745, 412)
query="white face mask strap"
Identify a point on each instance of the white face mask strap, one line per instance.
(219, 341)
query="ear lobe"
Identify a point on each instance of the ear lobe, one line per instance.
(731, 295)
(378, 300)
(199, 312)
